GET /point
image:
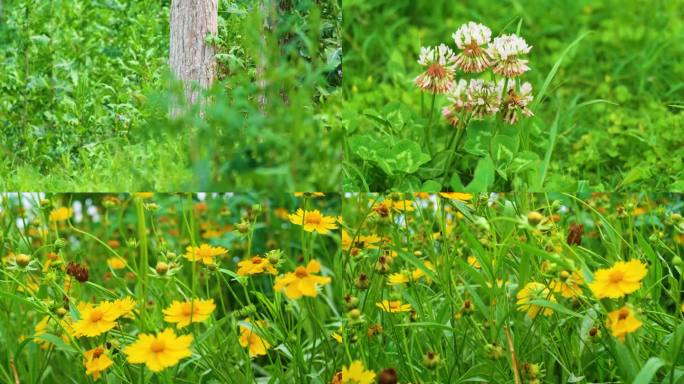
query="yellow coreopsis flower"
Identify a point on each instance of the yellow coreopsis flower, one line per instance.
(183, 313)
(534, 291)
(302, 282)
(393, 306)
(159, 351)
(256, 345)
(60, 214)
(569, 284)
(255, 266)
(309, 194)
(356, 373)
(116, 263)
(313, 221)
(96, 361)
(619, 280)
(96, 320)
(143, 195)
(124, 307)
(205, 253)
(622, 322)
(460, 196)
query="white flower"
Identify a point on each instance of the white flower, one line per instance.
(471, 37)
(483, 98)
(472, 34)
(457, 102)
(439, 75)
(515, 101)
(506, 50)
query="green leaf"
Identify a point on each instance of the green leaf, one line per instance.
(555, 306)
(431, 186)
(648, 370)
(484, 176)
(58, 342)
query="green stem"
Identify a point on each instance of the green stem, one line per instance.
(428, 128)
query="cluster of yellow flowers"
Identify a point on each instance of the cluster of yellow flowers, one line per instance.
(615, 282)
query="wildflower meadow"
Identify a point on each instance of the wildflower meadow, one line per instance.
(354, 289)
(516, 95)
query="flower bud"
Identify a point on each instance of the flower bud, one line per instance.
(534, 218)
(431, 360)
(162, 268)
(23, 260)
(60, 243)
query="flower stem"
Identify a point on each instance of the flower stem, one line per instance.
(428, 128)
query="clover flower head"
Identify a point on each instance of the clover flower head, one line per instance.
(439, 75)
(471, 38)
(482, 98)
(457, 102)
(515, 100)
(505, 51)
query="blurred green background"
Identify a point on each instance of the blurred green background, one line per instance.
(618, 94)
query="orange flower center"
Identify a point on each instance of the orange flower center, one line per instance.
(436, 70)
(616, 276)
(313, 219)
(97, 352)
(157, 346)
(96, 315)
(623, 314)
(256, 260)
(186, 310)
(301, 272)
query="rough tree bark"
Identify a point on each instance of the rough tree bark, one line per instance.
(191, 60)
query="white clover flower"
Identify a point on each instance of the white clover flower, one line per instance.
(439, 75)
(505, 51)
(483, 98)
(472, 34)
(457, 102)
(515, 101)
(471, 38)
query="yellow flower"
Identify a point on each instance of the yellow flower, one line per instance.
(302, 282)
(124, 307)
(116, 263)
(313, 221)
(96, 361)
(569, 284)
(393, 306)
(96, 320)
(60, 214)
(356, 373)
(622, 322)
(619, 280)
(143, 195)
(398, 278)
(249, 338)
(456, 196)
(472, 260)
(205, 252)
(337, 337)
(159, 351)
(255, 266)
(183, 313)
(40, 329)
(534, 291)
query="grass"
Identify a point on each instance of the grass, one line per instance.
(605, 80)
(86, 94)
(457, 267)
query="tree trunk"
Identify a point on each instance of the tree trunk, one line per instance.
(191, 59)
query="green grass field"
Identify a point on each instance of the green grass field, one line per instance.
(85, 95)
(606, 76)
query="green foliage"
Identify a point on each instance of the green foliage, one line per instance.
(606, 78)
(86, 97)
